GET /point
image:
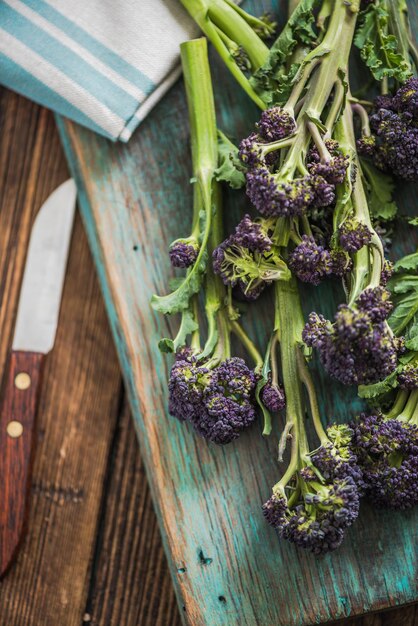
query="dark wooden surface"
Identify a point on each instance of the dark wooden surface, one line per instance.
(92, 554)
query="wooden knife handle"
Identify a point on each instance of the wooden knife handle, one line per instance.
(17, 426)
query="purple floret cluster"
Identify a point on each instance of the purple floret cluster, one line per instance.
(328, 488)
(353, 235)
(183, 253)
(322, 512)
(273, 397)
(393, 144)
(387, 451)
(274, 193)
(310, 262)
(246, 259)
(358, 347)
(218, 401)
(408, 377)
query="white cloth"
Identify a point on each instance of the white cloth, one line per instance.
(102, 63)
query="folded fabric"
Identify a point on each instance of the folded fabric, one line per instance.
(102, 63)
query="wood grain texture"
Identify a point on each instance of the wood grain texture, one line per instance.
(18, 406)
(79, 399)
(130, 583)
(228, 567)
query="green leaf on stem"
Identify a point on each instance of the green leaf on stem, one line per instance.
(187, 326)
(380, 388)
(380, 188)
(378, 48)
(230, 169)
(273, 81)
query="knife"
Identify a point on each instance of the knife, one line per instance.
(34, 336)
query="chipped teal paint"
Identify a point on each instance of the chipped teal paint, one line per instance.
(227, 566)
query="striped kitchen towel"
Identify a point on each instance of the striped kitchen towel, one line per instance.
(102, 63)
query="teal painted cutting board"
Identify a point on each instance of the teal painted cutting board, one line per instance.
(229, 568)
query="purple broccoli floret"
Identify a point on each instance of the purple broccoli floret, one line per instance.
(183, 252)
(358, 347)
(273, 398)
(353, 235)
(250, 150)
(406, 98)
(275, 197)
(246, 259)
(319, 516)
(331, 166)
(310, 262)
(218, 402)
(387, 451)
(341, 262)
(408, 376)
(275, 124)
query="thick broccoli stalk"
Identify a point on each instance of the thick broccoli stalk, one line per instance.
(236, 35)
(208, 387)
(318, 496)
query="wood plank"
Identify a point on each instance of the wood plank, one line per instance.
(130, 585)
(227, 565)
(79, 396)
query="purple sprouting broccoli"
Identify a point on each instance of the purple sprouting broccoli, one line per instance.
(391, 140)
(358, 347)
(318, 496)
(273, 196)
(275, 124)
(319, 514)
(273, 397)
(387, 272)
(341, 262)
(183, 252)
(353, 235)
(248, 258)
(387, 452)
(335, 457)
(408, 376)
(217, 400)
(326, 159)
(406, 98)
(310, 262)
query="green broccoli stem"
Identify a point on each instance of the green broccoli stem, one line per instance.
(399, 27)
(289, 326)
(398, 405)
(211, 15)
(368, 261)
(410, 408)
(330, 60)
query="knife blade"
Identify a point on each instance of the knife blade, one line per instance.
(34, 336)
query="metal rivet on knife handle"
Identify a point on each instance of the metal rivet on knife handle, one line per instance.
(22, 381)
(14, 429)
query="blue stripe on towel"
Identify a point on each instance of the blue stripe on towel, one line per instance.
(71, 64)
(18, 79)
(102, 52)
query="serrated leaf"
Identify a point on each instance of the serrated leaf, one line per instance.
(179, 299)
(411, 337)
(378, 389)
(413, 221)
(380, 188)
(378, 48)
(404, 288)
(274, 80)
(230, 168)
(409, 262)
(187, 326)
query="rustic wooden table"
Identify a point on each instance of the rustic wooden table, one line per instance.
(93, 553)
